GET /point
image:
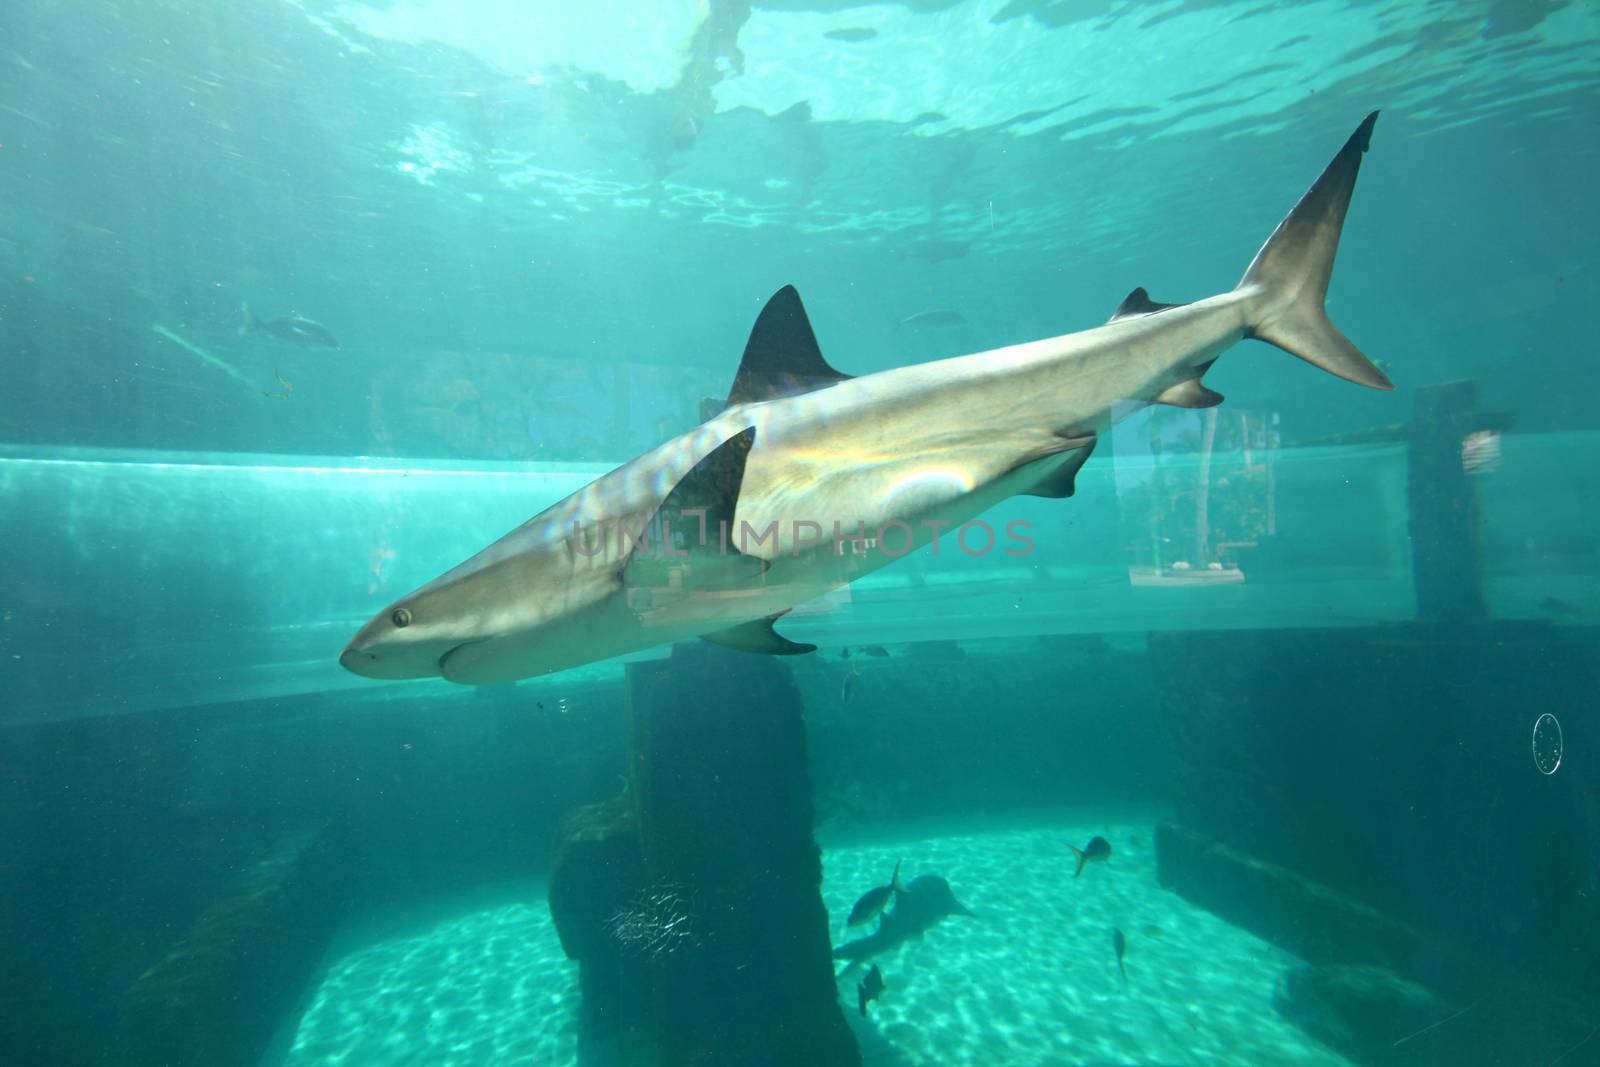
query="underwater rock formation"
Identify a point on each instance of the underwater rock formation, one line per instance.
(1292, 911)
(1377, 762)
(693, 901)
(217, 996)
(1369, 1014)
(598, 871)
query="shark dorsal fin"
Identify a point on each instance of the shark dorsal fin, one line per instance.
(689, 542)
(782, 357)
(1138, 303)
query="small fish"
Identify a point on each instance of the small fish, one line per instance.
(851, 34)
(873, 900)
(1098, 850)
(1552, 605)
(847, 688)
(844, 653)
(876, 650)
(932, 318)
(288, 388)
(1152, 930)
(291, 328)
(869, 990)
(1120, 943)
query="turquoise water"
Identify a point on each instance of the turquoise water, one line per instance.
(1197, 989)
(1319, 662)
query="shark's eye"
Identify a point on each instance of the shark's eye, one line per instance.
(401, 617)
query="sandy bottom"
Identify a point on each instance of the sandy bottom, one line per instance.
(1031, 981)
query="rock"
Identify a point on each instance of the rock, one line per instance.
(216, 997)
(693, 902)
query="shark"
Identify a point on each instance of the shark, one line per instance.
(921, 906)
(809, 478)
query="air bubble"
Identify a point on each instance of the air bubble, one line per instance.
(1548, 745)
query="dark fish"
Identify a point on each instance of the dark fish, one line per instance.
(876, 650)
(932, 318)
(873, 900)
(936, 251)
(851, 34)
(1120, 943)
(869, 990)
(1097, 850)
(1551, 605)
(844, 653)
(291, 328)
(920, 907)
(847, 688)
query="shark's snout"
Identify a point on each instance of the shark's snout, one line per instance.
(363, 661)
(376, 653)
(355, 661)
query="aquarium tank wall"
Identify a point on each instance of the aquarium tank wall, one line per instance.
(1170, 628)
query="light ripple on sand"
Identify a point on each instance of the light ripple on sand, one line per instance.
(1031, 982)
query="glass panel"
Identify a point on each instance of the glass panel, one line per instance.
(792, 533)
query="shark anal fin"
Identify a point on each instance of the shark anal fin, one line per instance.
(1189, 394)
(782, 357)
(1138, 303)
(1063, 481)
(688, 541)
(758, 635)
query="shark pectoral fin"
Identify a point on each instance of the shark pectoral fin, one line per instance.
(758, 635)
(782, 357)
(1138, 304)
(487, 661)
(687, 543)
(1063, 481)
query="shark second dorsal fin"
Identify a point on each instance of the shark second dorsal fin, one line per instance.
(782, 357)
(689, 542)
(758, 635)
(1138, 303)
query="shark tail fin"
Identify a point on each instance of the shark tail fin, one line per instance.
(1082, 859)
(1288, 279)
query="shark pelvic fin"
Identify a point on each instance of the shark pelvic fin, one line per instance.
(690, 539)
(1063, 481)
(1138, 304)
(782, 357)
(1288, 279)
(1190, 393)
(758, 635)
